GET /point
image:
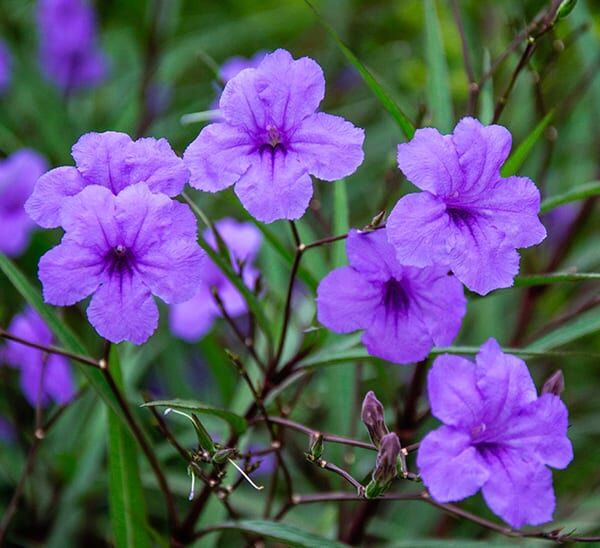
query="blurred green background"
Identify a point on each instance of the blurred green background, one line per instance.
(163, 56)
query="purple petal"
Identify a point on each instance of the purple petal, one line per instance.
(58, 380)
(192, 319)
(439, 300)
(450, 467)
(292, 90)
(430, 162)
(372, 255)
(330, 147)
(232, 299)
(346, 300)
(69, 273)
(518, 490)
(99, 158)
(14, 235)
(481, 152)
(453, 393)
(541, 429)
(504, 382)
(481, 257)
(275, 187)
(44, 205)
(513, 206)
(242, 239)
(123, 309)
(397, 335)
(421, 231)
(218, 157)
(32, 377)
(152, 161)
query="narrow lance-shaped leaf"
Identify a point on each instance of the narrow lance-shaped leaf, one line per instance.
(579, 192)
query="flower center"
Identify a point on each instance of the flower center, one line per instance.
(274, 136)
(119, 259)
(394, 295)
(459, 216)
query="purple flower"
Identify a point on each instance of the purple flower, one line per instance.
(404, 310)
(122, 250)
(69, 54)
(498, 436)
(45, 376)
(18, 174)
(112, 160)
(468, 218)
(272, 139)
(192, 319)
(5, 68)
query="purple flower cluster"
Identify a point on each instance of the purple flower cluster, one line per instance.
(44, 377)
(404, 310)
(192, 319)
(18, 174)
(69, 53)
(271, 139)
(498, 436)
(468, 217)
(125, 239)
(5, 67)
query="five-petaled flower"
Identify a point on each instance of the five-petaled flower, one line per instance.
(18, 174)
(404, 310)
(192, 319)
(44, 377)
(272, 139)
(69, 53)
(110, 159)
(498, 436)
(468, 218)
(123, 249)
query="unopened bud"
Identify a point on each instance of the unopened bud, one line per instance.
(565, 8)
(373, 418)
(223, 455)
(555, 384)
(316, 446)
(385, 466)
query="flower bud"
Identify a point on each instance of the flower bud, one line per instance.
(373, 418)
(385, 466)
(316, 446)
(566, 7)
(555, 384)
(223, 455)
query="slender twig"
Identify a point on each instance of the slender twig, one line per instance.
(471, 81)
(50, 349)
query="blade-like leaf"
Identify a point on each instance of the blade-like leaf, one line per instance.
(279, 532)
(579, 192)
(387, 102)
(582, 325)
(486, 110)
(127, 503)
(555, 277)
(521, 153)
(237, 422)
(438, 82)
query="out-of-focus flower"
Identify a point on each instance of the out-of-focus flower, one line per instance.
(18, 174)
(272, 139)
(112, 160)
(404, 310)
(498, 436)
(192, 319)
(468, 217)
(69, 52)
(123, 249)
(5, 67)
(44, 377)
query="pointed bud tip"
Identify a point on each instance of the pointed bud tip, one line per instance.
(555, 384)
(373, 417)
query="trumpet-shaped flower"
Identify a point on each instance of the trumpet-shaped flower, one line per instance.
(403, 310)
(271, 139)
(112, 160)
(18, 174)
(122, 250)
(468, 217)
(498, 436)
(192, 319)
(44, 377)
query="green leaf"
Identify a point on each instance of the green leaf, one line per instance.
(438, 81)
(518, 157)
(237, 422)
(579, 192)
(127, 503)
(225, 266)
(486, 110)
(387, 102)
(578, 327)
(67, 338)
(289, 535)
(555, 277)
(341, 222)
